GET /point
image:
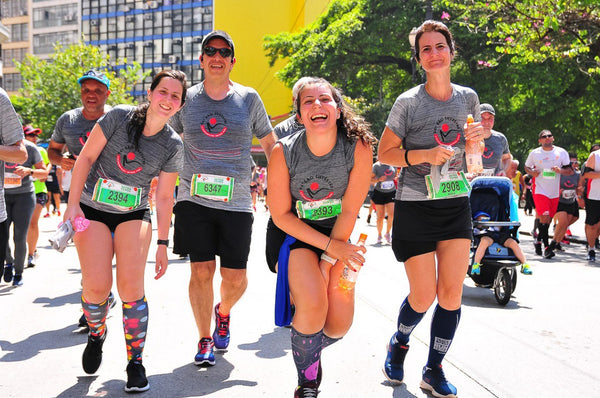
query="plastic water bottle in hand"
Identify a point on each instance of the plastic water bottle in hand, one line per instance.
(65, 232)
(349, 275)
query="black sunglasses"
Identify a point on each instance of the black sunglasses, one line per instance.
(546, 136)
(211, 51)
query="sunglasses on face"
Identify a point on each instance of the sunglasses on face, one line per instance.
(546, 136)
(211, 51)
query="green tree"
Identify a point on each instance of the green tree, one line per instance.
(50, 86)
(362, 47)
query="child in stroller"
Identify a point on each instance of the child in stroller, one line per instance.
(502, 236)
(493, 206)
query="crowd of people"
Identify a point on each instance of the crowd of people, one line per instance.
(120, 166)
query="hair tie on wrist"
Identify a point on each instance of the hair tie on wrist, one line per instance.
(327, 247)
(406, 158)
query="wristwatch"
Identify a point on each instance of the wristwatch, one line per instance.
(163, 242)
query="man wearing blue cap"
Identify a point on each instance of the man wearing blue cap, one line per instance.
(73, 128)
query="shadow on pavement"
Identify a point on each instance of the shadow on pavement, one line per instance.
(186, 381)
(270, 345)
(34, 344)
(399, 391)
(483, 297)
(71, 298)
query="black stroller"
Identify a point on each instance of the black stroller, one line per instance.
(493, 196)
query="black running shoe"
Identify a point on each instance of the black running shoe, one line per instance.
(92, 355)
(591, 257)
(8, 273)
(136, 378)
(548, 252)
(538, 248)
(82, 323)
(111, 300)
(307, 390)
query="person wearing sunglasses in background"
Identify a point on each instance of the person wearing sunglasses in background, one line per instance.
(213, 215)
(546, 164)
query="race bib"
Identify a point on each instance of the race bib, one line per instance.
(212, 187)
(121, 196)
(451, 185)
(487, 172)
(12, 180)
(548, 173)
(319, 209)
(569, 194)
(387, 185)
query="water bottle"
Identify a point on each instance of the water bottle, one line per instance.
(347, 280)
(473, 152)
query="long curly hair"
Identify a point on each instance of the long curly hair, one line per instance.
(351, 124)
(136, 125)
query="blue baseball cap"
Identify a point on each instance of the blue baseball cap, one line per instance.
(95, 75)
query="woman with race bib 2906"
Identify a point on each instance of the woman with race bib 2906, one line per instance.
(109, 186)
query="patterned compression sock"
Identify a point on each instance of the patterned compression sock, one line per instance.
(443, 327)
(306, 350)
(95, 315)
(327, 341)
(407, 320)
(135, 326)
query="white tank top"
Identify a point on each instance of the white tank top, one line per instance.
(594, 185)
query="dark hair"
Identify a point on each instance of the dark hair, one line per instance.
(596, 145)
(349, 123)
(138, 120)
(433, 26)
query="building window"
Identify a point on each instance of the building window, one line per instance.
(9, 56)
(19, 32)
(55, 16)
(44, 44)
(12, 81)
(14, 8)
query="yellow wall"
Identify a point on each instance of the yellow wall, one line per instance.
(248, 22)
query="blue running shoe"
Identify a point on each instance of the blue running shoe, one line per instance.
(221, 333)
(8, 273)
(206, 354)
(476, 269)
(393, 369)
(435, 381)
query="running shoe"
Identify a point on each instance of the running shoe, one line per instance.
(8, 273)
(526, 269)
(82, 322)
(538, 248)
(92, 355)
(206, 352)
(591, 257)
(307, 390)
(369, 219)
(30, 263)
(136, 377)
(18, 280)
(379, 240)
(476, 269)
(111, 300)
(221, 333)
(548, 252)
(393, 368)
(559, 246)
(388, 238)
(435, 381)
(46, 215)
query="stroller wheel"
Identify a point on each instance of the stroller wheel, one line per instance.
(503, 286)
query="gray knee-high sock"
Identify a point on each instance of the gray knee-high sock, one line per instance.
(327, 341)
(306, 349)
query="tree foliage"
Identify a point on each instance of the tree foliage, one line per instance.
(50, 86)
(362, 47)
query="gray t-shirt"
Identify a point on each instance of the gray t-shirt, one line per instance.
(384, 170)
(73, 129)
(568, 188)
(495, 147)
(120, 161)
(217, 137)
(422, 122)
(318, 177)
(288, 127)
(11, 132)
(25, 184)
